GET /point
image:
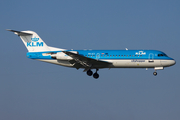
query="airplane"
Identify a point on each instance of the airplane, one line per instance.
(93, 59)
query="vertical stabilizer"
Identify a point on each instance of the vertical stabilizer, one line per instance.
(32, 41)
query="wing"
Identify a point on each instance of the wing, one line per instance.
(85, 62)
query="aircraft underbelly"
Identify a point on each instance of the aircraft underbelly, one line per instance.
(58, 62)
(135, 63)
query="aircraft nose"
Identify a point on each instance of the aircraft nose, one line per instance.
(168, 62)
(173, 62)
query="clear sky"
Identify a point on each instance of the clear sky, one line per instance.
(33, 90)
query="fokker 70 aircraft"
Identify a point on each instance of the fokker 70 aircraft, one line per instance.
(93, 59)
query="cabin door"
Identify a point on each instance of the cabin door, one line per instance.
(97, 56)
(151, 58)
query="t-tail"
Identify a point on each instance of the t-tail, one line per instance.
(32, 41)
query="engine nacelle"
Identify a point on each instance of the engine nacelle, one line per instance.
(62, 56)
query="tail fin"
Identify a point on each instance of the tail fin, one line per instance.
(32, 41)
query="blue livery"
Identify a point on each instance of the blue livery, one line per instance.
(93, 59)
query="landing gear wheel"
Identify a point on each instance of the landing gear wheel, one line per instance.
(89, 72)
(96, 75)
(154, 73)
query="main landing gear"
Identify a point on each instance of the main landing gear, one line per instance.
(95, 75)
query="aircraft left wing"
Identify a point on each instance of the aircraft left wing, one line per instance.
(82, 61)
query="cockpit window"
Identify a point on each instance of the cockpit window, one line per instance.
(160, 55)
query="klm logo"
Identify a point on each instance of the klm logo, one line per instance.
(34, 43)
(34, 39)
(141, 53)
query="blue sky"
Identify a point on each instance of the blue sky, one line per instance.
(34, 90)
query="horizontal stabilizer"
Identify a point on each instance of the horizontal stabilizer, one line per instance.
(19, 33)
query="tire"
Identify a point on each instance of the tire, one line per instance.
(89, 72)
(154, 73)
(96, 75)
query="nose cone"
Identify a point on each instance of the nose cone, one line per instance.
(167, 63)
(173, 62)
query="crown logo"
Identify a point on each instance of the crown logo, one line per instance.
(34, 39)
(140, 53)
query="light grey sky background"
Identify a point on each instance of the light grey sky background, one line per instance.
(33, 90)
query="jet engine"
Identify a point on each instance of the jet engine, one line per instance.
(62, 56)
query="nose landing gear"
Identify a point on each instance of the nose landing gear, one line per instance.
(155, 73)
(157, 68)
